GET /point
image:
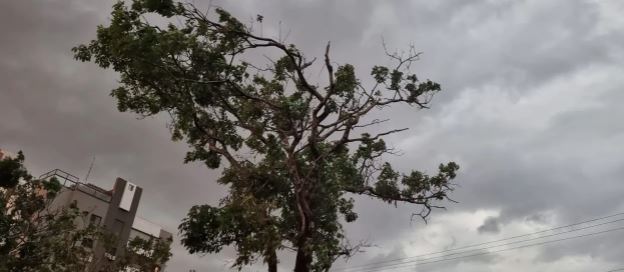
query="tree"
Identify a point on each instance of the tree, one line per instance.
(36, 237)
(139, 255)
(295, 152)
(144, 255)
(32, 236)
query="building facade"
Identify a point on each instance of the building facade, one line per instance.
(114, 210)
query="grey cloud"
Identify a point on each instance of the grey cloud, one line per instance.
(490, 225)
(58, 110)
(539, 218)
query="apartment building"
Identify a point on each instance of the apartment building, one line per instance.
(115, 210)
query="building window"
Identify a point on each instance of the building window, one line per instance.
(87, 242)
(95, 220)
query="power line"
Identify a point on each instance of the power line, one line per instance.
(384, 268)
(505, 244)
(479, 244)
(616, 270)
(484, 243)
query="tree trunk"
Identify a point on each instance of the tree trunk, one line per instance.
(302, 263)
(304, 257)
(306, 224)
(272, 261)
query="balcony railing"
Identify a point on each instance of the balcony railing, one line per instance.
(72, 182)
(62, 176)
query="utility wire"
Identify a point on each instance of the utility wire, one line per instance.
(478, 244)
(616, 270)
(505, 244)
(385, 268)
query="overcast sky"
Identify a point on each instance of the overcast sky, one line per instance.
(531, 109)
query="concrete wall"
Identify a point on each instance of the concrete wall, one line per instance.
(118, 220)
(145, 226)
(85, 202)
(117, 210)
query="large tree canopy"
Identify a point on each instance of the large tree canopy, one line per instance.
(295, 151)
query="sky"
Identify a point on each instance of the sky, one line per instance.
(530, 109)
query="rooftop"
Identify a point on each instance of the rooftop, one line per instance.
(72, 182)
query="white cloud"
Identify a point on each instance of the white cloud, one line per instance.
(611, 19)
(459, 229)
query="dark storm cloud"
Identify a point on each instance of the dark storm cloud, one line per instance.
(530, 108)
(58, 111)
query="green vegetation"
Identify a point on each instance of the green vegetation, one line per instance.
(35, 237)
(295, 152)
